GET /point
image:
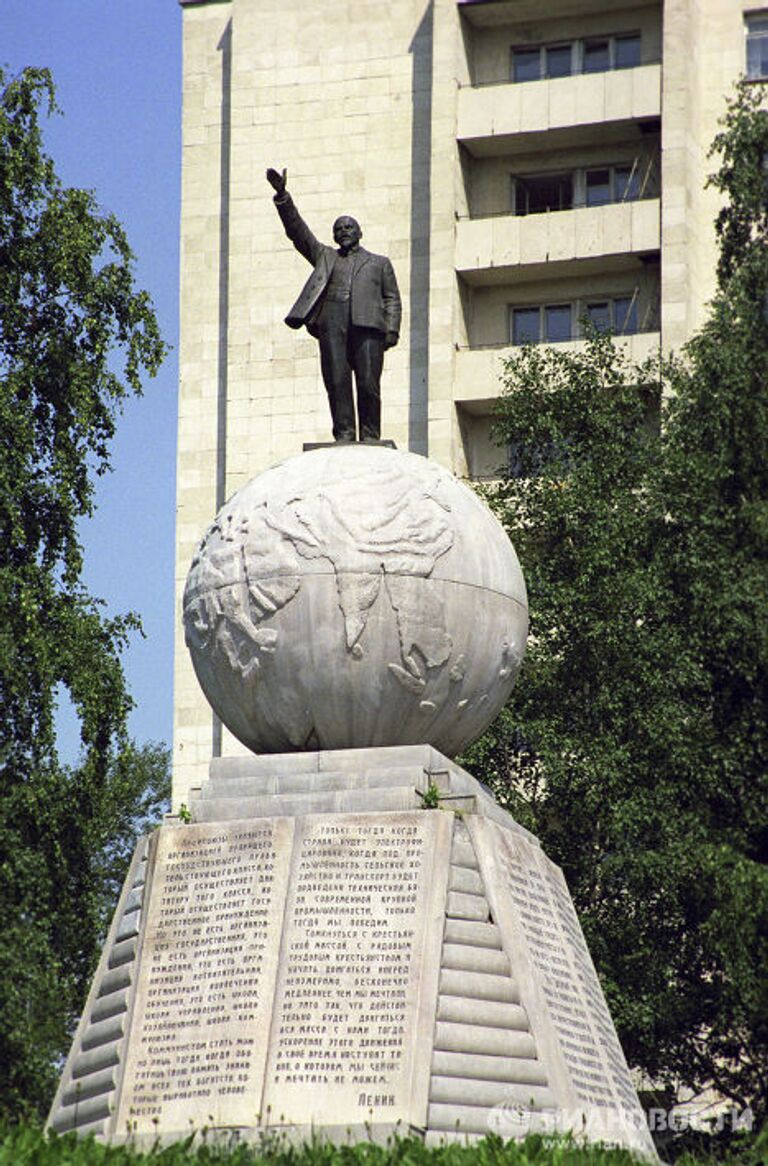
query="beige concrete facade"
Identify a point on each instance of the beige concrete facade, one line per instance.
(406, 116)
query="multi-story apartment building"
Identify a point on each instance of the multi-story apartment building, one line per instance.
(523, 163)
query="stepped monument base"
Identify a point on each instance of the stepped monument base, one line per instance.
(320, 951)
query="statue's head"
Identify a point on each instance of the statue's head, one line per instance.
(346, 232)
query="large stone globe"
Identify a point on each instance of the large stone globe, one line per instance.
(355, 596)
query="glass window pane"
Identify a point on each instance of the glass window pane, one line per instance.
(626, 183)
(626, 52)
(557, 322)
(525, 326)
(559, 61)
(757, 56)
(625, 315)
(549, 192)
(599, 314)
(763, 45)
(519, 197)
(526, 64)
(596, 56)
(598, 187)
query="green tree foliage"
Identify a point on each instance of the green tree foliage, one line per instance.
(75, 339)
(636, 743)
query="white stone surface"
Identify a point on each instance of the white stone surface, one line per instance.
(207, 977)
(505, 240)
(355, 596)
(558, 103)
(354, 1012)
(288, 975)
(559, 991)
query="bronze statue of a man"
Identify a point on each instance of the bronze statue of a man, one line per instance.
(351, 305)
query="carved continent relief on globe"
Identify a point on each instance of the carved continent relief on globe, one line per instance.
(355, 596)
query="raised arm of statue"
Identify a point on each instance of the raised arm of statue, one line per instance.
(295, 228)
(277, 179)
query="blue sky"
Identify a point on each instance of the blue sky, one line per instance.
(117, 69)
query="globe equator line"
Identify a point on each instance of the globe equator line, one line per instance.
(193, 593)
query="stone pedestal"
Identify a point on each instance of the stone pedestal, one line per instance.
(319, 951)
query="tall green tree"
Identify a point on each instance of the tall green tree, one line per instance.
(76, 337)
(636, 741)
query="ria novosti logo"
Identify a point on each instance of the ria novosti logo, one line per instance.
(511, 1120)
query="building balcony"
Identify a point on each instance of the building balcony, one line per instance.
(493, 250)
(495, 119)
(496, 13)
(477, 377)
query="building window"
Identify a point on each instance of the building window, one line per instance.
(591, 55)
(757, 46)
(558, 60)
(617, 315)
(553, 323)
(543, 61)
(626, 183)
(596, 56)
(626, 51)
(526, 64)
(599, 315)
(526, 326)
(625, 315)
(557, 322)
(534, 194)
(542, 192)
(597, 187)
(611, 184)
(544, 324)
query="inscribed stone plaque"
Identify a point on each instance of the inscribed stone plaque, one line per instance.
(207, 975)
(355, 1007)
(545, 919)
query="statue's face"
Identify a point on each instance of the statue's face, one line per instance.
(347, 233)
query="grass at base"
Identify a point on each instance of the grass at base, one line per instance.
(25, 1146)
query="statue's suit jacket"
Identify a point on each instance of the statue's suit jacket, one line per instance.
(375, 299)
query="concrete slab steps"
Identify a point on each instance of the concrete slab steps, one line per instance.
(484, 1056)
(87, 1093)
